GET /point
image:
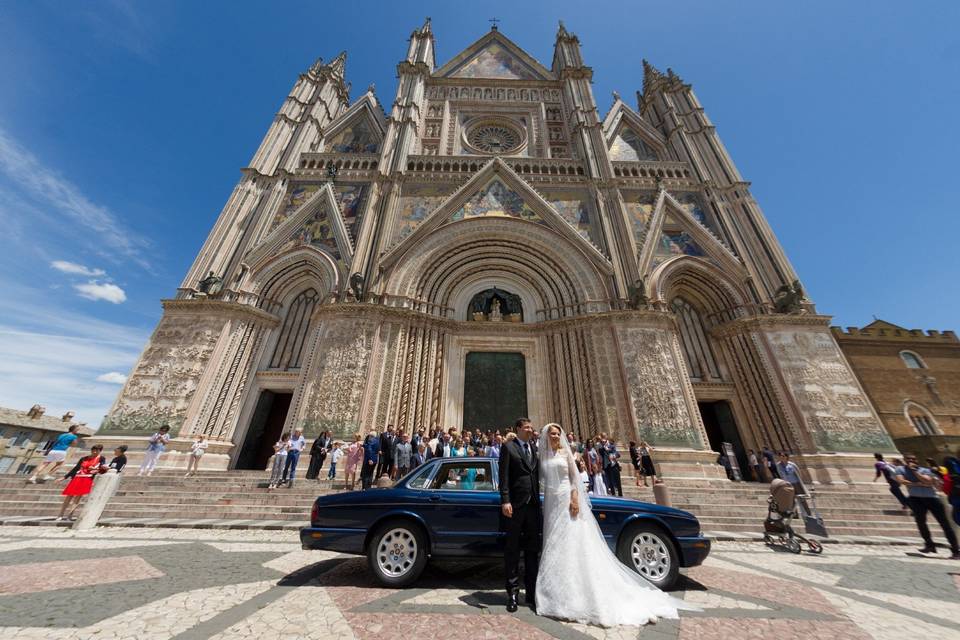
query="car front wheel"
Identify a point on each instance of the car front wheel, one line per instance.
(397, 554)
(646, 549)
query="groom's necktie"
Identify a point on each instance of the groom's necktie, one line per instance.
(526, 452)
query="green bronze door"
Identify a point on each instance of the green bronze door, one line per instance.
(494, 390)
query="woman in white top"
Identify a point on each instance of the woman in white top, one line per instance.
(280, 450)
(197, 449)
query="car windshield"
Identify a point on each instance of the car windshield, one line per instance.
(418, 478)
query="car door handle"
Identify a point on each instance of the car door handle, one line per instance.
(434, 498)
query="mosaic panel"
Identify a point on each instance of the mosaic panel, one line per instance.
(357, 138)
(352, 200)
(575, 211)
(415, 205)
(494, 62)
(496, 199)
(675, 243)
(297, 194)
(639, 212)
(628, 146)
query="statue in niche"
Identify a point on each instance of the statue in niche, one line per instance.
(637, 293)
(789, 298)
(495, 305)
(495, 311)
(211, 285)
(356, 286)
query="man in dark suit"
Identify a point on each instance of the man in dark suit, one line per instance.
(387, 440)
(611, 466)
(520, 506)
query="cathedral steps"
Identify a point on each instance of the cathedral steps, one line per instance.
(242, 495)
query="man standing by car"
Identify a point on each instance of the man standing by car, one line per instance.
(402, 453)
(519, 473)
(387, 440)
(611, 466)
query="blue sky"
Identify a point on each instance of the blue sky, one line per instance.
(123, 126)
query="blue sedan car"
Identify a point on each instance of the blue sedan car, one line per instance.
(450, 508)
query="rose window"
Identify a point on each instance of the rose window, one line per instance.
(494, 138)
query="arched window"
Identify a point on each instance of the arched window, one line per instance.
(912, 360)
(696, 344)
(921, 419)
(293, 333)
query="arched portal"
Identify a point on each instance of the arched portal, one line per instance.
(503, 282)
(701, 297)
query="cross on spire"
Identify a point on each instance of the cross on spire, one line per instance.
(494, 21)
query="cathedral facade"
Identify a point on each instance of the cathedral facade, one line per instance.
(493, 247)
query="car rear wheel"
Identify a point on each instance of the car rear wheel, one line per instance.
(397, 553)
(649, 551)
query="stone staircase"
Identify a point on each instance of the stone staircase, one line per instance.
(722, 506)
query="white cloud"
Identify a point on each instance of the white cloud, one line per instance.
(113, 377)
(74, 268)
(46, 186)
(94, 290)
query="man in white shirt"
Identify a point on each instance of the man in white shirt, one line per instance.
(297, 443)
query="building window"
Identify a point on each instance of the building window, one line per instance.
(697, 348)
(293, 334)
(21, 439)
(912, 360)
(6, 463)
(921, 419)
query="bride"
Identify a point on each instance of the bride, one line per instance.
(580, 579)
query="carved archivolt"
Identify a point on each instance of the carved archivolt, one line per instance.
(559, 280)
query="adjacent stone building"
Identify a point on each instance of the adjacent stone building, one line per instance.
(25, 434)
(493, 247)
(913, 379)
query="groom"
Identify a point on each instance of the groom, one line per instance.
(520, 506)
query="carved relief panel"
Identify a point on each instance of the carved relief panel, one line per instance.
(837, 413)
(163, 383)
(336, 381)
(656, 382)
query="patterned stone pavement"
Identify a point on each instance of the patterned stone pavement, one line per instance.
(147, 584)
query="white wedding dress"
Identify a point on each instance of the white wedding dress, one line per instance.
(580, 579)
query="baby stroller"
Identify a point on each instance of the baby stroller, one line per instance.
(781, 509)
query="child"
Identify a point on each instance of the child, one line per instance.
(279, 460)
(335, 456)
(197, 450)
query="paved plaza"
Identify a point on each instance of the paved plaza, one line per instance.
(143, 584)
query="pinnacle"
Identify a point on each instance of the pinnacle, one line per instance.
(562, 30)
(426, 28)
(650, 75)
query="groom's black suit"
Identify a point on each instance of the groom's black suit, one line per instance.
(520, 488)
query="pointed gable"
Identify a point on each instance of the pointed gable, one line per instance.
(316, 222)
(494, 57)
(359, 129)
(630, 138)
(497, 191)
(673, 231)
(883, 324)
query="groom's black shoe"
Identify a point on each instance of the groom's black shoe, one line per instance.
(512, 597)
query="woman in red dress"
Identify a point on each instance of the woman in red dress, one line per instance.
(81, 480)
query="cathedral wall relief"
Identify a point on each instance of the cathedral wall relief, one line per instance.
(834, 407)
(336, 381)
(162, 385)
(655, 376)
